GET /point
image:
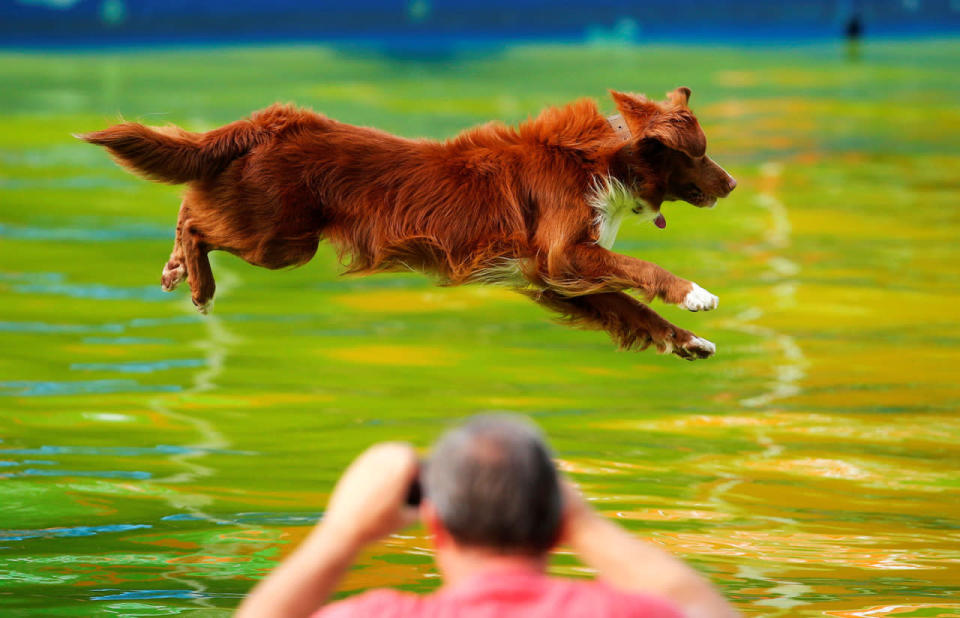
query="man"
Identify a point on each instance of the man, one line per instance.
(494, 505)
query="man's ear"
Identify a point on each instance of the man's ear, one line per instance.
(431, 521)
(679, 97)
(636, 109)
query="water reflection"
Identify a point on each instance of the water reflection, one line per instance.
(95, 291)
(49, 533)
(127, 340)
(265, 519)
(120, 451)
(104, 474)
(156, 594)
(81, 234)
(140, 366)
(31, 388)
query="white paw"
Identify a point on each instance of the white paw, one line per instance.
(696, 348)
(701, 347)
(205, 307)
(172, 277)
(698, 299)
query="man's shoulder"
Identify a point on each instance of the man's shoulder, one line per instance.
(594, 597)
(384, 602)
(555, 597)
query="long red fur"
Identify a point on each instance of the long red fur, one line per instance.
(270, 187)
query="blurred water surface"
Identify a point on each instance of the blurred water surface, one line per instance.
(156, 462)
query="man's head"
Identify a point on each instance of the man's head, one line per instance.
(492, 486)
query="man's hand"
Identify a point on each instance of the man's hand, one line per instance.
(369, 501)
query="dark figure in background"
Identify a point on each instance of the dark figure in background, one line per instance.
(854, 28)
(853, 31)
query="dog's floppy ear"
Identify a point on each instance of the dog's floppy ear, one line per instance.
(683, 134)
(674, 126)
(636, 109)
(679, 97)
(677, 127)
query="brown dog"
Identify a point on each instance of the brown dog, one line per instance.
(535, 208)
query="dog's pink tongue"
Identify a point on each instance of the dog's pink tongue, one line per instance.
(660, 221)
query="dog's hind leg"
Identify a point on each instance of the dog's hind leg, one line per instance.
(630, 323)
(189, 261)
(175, 270)
(202, 285)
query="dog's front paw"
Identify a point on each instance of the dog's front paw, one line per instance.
(173, 275)
(698, 299)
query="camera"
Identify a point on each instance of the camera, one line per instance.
(414, 492)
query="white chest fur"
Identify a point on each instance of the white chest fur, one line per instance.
(612, 201)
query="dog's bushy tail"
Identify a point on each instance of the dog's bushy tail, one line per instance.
(170, 154)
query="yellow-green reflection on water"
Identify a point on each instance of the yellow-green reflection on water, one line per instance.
(154, 462)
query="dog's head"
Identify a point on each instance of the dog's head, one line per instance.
(667, 140)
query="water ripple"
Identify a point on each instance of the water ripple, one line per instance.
(132, 232)
(118, 327)
(126, 340)
(121, 451)
(47, 328)
(257, 518)
(102, 474)
(140, 366)
(51, 533)
(150, 594)
(44, 388)
(55, 283)
(27, 462)
(70, 182)
(96, 291)
(192, 318)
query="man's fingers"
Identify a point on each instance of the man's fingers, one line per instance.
(369, 500)
(393, 460)
(398, 453)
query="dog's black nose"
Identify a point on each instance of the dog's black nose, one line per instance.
(731, 184)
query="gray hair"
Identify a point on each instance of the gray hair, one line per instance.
(495, 486)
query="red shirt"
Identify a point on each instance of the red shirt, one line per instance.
(502, 594)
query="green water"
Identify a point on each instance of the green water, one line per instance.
(156, 462)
